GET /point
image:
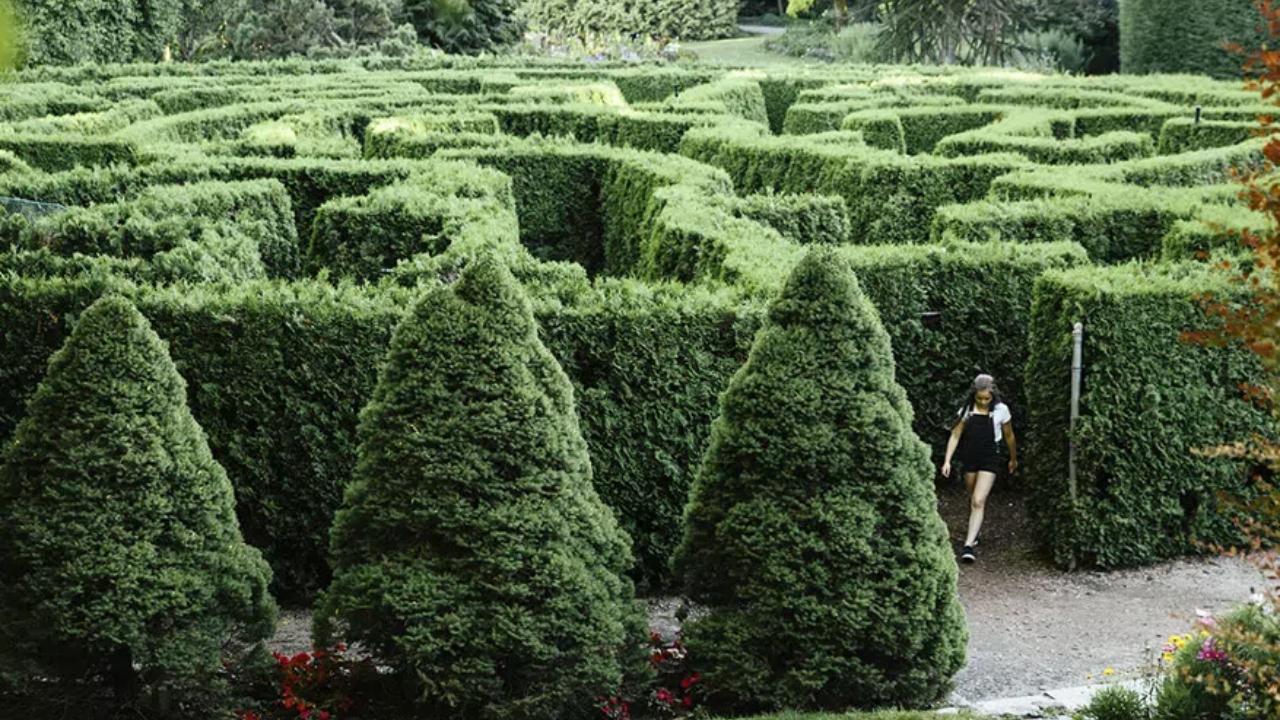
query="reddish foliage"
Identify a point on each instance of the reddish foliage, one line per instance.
(1255, 324)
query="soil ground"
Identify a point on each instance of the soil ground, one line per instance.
(1032, 627)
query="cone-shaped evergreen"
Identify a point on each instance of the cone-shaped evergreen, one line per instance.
(812, 532)
(472, 553)
(118, 536)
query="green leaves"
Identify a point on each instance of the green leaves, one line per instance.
(119, 530)
(472, 551)
(814, 504)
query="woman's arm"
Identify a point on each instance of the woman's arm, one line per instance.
(1012, 442)
(952, 442)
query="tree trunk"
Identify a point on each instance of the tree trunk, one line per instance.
(842, 14)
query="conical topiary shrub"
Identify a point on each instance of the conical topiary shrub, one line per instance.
(812, 532)
(120, 553)
(472, 553)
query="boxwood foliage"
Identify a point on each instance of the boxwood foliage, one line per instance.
(472, 553)
(812, 532)
(118, 542)
(1142, 492)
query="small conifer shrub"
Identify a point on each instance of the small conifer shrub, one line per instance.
(812, 532)
(472, 554)
(119, 547)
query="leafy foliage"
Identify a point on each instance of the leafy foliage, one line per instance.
(472, 554)
(1186, 36)
(670, 19)
(465, 26)
(812, 533)
(118, 539)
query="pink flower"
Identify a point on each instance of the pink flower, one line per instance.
(1209, 652)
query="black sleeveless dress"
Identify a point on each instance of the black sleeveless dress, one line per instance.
(977, 451)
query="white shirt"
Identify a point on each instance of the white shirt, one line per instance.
(999, 416)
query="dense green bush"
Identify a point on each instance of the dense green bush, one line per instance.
(470, 27)
(365, 236)
(675, 19)
(1186, 36)
(1114, 703)
(472, 554)
(119, 543)
(805, 219)
(82, 31)
(812, 533)
(1150, 400)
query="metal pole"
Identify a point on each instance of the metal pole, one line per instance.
(1077, 367)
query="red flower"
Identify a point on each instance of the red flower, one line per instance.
(690, 680)
(687, 702)
(664, 695)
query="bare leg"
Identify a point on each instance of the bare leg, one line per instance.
(978, 492)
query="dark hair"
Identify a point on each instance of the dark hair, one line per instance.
(981, 382)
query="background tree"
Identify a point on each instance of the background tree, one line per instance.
(464, 26)
(119, 545)
(471, 553)
(812, 533)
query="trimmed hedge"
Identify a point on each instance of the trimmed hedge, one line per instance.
(1183, 134)
(365, 236)
(1149, 400)
(672, 19)
(1112, 228)
(66, 150)
(1169, 36)
(918, 130)
(804, 219)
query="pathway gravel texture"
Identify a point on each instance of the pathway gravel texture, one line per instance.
(1032, 627)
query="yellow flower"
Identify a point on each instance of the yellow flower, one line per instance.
(1109, 671)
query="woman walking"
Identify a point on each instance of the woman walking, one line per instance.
(981, 424)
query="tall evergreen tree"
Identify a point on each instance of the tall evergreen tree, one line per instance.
(472, 553)
(119, 546)
(812, 532)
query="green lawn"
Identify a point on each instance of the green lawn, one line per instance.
(743, 52)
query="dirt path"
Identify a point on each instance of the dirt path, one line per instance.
(1032, 627)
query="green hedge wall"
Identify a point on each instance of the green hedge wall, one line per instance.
(804, 219)
(1112, 228)
(674, 19)
(1185, 36)
(278, 374)
(1185, 134)
(1149, 399)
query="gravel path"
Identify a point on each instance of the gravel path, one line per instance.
(1032, 627)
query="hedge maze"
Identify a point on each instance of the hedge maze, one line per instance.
(274, 222)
